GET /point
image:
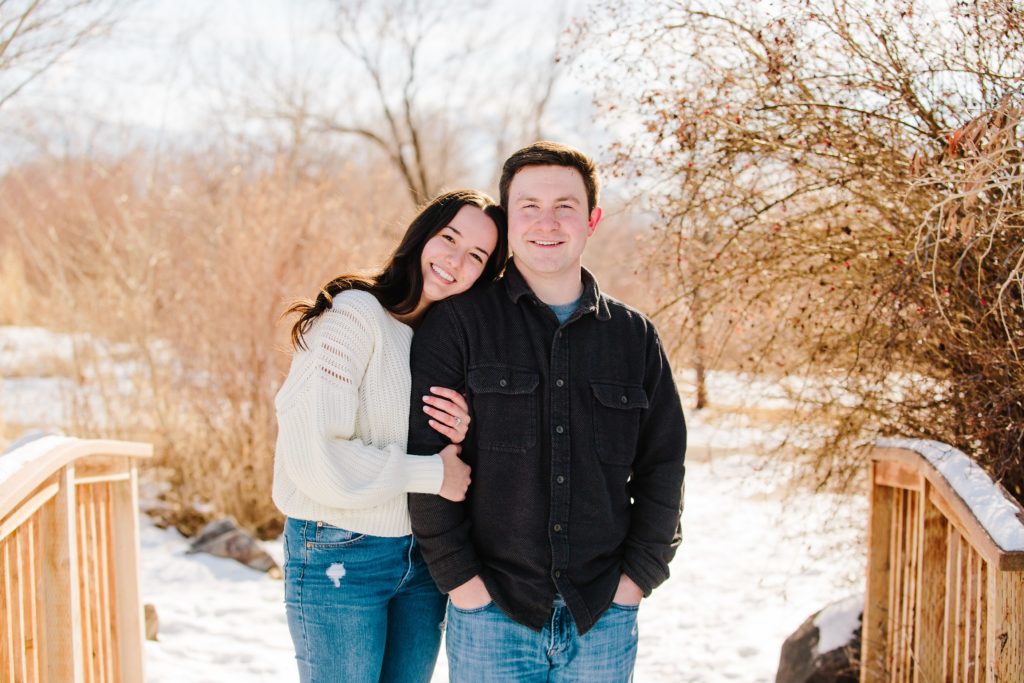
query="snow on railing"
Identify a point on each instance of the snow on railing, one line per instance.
(945, 588)
(993, 507)
(69, 542)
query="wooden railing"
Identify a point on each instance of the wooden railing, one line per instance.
(69, 600)
(945, 588)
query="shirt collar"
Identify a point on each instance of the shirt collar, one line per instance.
(591, 301)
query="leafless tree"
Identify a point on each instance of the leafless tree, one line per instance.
(840, 188)
(424, 91)
(36, 34)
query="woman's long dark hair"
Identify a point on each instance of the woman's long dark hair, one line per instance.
(399, 284)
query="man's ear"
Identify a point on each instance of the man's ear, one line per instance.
(595, 218)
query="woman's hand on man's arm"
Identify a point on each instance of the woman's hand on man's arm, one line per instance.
(449, 413)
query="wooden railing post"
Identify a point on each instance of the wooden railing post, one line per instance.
(1005, 650)
(125, 526)
(876, 605)
(61, 649)
(932, 584)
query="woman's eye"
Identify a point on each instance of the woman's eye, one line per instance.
(478, 258)
(449, 238)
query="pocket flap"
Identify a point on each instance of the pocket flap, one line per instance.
(619, 395)
(499, 380)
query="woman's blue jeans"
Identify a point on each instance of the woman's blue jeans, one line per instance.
(360, 608)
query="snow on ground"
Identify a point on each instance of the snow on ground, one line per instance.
(50, 379)
(33, 349)
(219, 620)
(751, 569)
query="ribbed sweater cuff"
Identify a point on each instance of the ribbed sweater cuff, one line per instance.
(425, 473)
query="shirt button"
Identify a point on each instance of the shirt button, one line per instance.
(559, 383)
(558, 527)
(559, 429)
(558, 574)
(623, 399)
(503, 382)
(560, 479)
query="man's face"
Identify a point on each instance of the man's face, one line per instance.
(548, 221)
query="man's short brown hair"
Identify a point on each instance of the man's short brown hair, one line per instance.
(546, 153)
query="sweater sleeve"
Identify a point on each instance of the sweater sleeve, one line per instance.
(317, 422)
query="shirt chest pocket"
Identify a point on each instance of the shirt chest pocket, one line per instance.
(504, 404)
(617, 409)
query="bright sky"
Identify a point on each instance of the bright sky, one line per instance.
(171, 66)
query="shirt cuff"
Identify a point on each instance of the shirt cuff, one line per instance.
(645, 574)
(425, 473)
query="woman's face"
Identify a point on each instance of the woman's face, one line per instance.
(453, 259)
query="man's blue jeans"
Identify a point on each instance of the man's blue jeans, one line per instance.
(486, 646)
(360, 608)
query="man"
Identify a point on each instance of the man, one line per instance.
(576, 444)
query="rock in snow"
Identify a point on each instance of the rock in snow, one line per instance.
(224, 538)
(826, 647)
(152, 621)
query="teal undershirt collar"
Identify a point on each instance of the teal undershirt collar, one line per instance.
(563, 311)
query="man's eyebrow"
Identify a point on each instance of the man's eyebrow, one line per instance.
(566, 198)
(459, 233)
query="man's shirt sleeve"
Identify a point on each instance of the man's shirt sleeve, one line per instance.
(441, 527)
(656, 483)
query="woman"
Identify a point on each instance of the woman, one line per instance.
(361, 605)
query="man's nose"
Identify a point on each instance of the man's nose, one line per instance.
(548, 220)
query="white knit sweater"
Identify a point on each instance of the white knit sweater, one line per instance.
(342, 415)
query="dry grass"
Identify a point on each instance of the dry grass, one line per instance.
(14, 300)
(178, 277)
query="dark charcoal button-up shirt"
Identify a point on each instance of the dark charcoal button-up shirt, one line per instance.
(576, 443)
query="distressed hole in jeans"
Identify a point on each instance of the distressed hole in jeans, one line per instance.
(335, 573)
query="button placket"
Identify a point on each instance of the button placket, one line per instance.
(560, 447)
